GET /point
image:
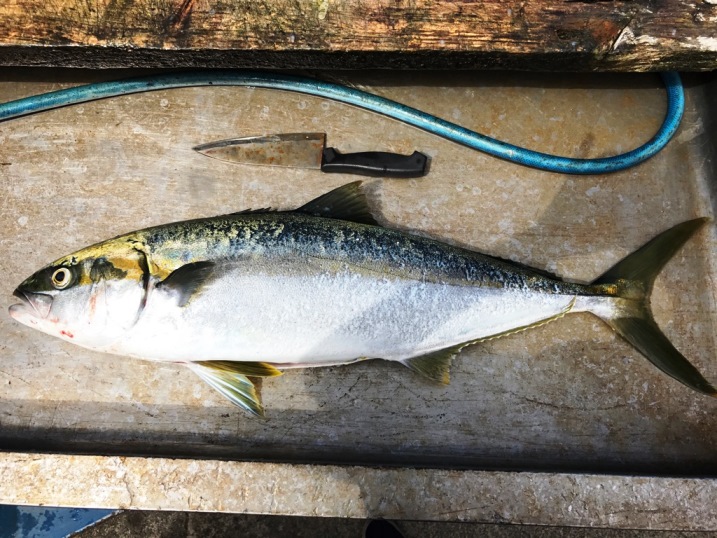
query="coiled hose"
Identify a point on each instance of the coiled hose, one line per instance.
(345, 94)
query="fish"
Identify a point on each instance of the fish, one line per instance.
(250, 294)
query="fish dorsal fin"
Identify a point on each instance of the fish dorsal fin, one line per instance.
(230, 379)
(347, 202)
(187, 280)
(251, 211)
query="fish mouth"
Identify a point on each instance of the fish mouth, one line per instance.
(37, 304)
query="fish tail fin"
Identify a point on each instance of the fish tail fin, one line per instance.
(631, 281)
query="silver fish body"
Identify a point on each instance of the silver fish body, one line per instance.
(301, 290)
(256, 292)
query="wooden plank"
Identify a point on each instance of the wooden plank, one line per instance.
(639, 35)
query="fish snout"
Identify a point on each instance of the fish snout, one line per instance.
(41, 303)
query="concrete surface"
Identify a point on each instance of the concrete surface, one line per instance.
(360, 492)
(202, 525)
(568, 396)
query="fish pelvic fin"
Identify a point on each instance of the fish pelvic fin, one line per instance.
(230, 379)
(631, 280)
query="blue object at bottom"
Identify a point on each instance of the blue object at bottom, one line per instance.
(46, 522)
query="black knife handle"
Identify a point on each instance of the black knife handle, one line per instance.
(374, 163)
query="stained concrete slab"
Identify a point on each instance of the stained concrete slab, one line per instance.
(567, 396)
(201, 525)
(361, 492)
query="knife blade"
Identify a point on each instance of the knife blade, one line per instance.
(308, 150)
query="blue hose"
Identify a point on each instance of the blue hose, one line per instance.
(344, 94)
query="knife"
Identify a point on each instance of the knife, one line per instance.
(308, 150)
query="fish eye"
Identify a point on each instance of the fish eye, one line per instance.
(61, 278)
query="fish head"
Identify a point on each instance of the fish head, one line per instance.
(91, 298)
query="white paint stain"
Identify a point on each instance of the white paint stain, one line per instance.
(323, 8)
(627, 37)
(506, 226)
(702, 42)
(691, 132)
(647, 40)
(708, 43)
(22, 221)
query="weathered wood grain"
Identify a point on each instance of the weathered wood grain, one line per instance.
(639, 35)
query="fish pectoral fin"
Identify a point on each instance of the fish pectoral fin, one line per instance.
(347, 202)
(435, 365)
(233, 384)
(187, 280)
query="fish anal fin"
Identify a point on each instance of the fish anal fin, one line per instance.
(232, 384)
(347, 202)
(522, 328)
(435, 365)
(187, 280)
